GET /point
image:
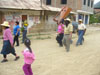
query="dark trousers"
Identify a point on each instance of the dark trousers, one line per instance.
(24, 35)
(16, 39)
(59, 39)
(5, 56)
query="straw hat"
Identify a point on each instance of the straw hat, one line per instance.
(5, 24)
(80, 20)
(67, 19)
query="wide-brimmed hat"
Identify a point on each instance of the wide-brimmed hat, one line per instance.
(5, 24)
(80, 20)
(67, 19)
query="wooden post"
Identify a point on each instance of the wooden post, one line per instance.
(1, 17)
(41, 3)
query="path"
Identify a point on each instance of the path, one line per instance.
(53, 60)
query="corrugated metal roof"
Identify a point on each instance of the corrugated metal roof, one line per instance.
(26, 4)
(50, 8)
(20, 4)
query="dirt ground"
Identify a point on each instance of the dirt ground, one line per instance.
(54, 60)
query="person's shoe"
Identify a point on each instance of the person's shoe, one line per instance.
(67, 50)
(77, 44)
(4, 60)
(81, 43)
(60, 45)
(83, 40)
(16, 58)
(17, 45)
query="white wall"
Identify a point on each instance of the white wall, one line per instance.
(50, 24)
(86, 7)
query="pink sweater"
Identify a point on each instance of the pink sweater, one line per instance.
(7, 35)
(28, 56)
(60, 28)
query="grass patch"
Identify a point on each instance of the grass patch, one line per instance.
(31, 35)
(43, 38)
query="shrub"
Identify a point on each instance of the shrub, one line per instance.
(94, 19)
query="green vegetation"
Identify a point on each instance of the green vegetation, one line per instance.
(38, 36)
(94, 18)
(22, 29)
(43, 38)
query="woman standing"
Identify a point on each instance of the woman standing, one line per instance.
(81, 32)
(16, 33)
(7, 42)
(60, 34)
(60, 31)
(68, 29)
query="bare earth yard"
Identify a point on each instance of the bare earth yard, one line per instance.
(54, 60)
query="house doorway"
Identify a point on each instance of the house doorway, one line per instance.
(24, 17)
(86, 19)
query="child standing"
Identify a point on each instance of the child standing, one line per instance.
(29, 58)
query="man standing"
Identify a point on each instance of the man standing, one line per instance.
(25, 24)
(81, 32)
(68, 29)
(16, 33)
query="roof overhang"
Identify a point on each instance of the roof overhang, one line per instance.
(73, 12)
(50, 8)
(84, 12)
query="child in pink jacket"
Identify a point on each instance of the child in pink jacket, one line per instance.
(29, 58)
